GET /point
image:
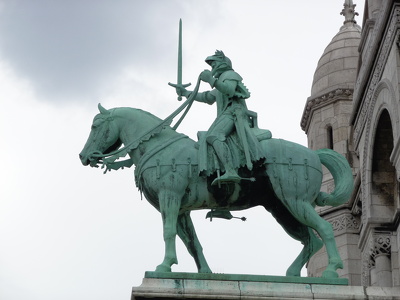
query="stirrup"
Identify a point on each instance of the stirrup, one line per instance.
(225, 179)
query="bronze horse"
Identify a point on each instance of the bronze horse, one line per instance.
(287, 183)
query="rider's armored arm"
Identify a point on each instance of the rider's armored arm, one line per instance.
(225, 84)
(205, 97)
(226, 87)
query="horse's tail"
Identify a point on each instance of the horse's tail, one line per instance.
(342, 176)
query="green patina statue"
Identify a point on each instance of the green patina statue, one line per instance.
(177, 174)
(287, 183)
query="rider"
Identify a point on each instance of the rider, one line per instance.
(229, 93)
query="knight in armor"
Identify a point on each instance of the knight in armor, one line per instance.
(232, 125)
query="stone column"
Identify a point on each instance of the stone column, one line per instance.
(373, 277)
(383, 270)
(381, 265)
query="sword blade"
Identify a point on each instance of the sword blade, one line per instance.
(179, 79)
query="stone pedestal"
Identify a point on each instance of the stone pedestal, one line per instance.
(228, 286)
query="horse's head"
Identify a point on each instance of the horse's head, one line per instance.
(103, 138)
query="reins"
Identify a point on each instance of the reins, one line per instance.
(108, 159)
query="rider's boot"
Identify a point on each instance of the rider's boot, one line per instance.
(224, 156)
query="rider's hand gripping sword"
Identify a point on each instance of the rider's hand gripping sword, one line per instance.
(179, 83)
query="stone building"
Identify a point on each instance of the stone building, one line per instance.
(354, 108)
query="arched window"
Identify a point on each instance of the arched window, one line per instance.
(383, 172)
(383, 193)
(329, 137)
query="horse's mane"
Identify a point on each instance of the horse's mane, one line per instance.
(154, 129)
(140, 111)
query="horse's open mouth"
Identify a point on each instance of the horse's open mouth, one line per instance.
(86, 160)
(92, 159)
(95, 157)
(113, 147)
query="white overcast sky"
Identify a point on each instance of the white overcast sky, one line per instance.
(70, 232)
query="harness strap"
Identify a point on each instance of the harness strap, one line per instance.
(145, 158)
(273, 161)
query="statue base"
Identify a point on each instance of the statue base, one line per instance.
(157, 285)
(245, 277)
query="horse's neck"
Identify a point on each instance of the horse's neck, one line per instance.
(136, 129)
(148, 147)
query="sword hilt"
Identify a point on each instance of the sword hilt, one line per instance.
(179, 85)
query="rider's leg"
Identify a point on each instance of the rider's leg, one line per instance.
(216, 138)
(225, 157)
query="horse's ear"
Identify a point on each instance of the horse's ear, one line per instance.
(103, 110)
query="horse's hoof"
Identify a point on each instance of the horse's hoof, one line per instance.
(163, 268)
(294, 270)
(330, 274)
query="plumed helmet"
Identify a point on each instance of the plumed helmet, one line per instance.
(219, 56)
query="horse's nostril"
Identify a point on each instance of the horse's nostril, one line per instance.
(80, 156)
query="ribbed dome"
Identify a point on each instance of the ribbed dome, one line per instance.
(337, 68)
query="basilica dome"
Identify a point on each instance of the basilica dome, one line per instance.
(337, 67)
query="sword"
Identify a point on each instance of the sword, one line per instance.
(179, 78)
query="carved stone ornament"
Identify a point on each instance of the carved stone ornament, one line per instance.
(381, 245)
(345, 223)
(366, 266)
(378, 245)
(349, 12)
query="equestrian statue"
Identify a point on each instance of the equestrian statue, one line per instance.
(233, 166)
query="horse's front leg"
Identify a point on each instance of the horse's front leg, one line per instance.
(170, 203)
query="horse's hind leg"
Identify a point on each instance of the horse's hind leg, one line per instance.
(311, 245)
(299, 232)
(188, 235)
(305, 213)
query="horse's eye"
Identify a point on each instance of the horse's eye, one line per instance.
(96, 123)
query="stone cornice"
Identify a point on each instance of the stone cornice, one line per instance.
(317, 102)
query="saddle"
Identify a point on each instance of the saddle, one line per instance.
(261, 134)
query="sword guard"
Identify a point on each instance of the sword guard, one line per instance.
(179, 85)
